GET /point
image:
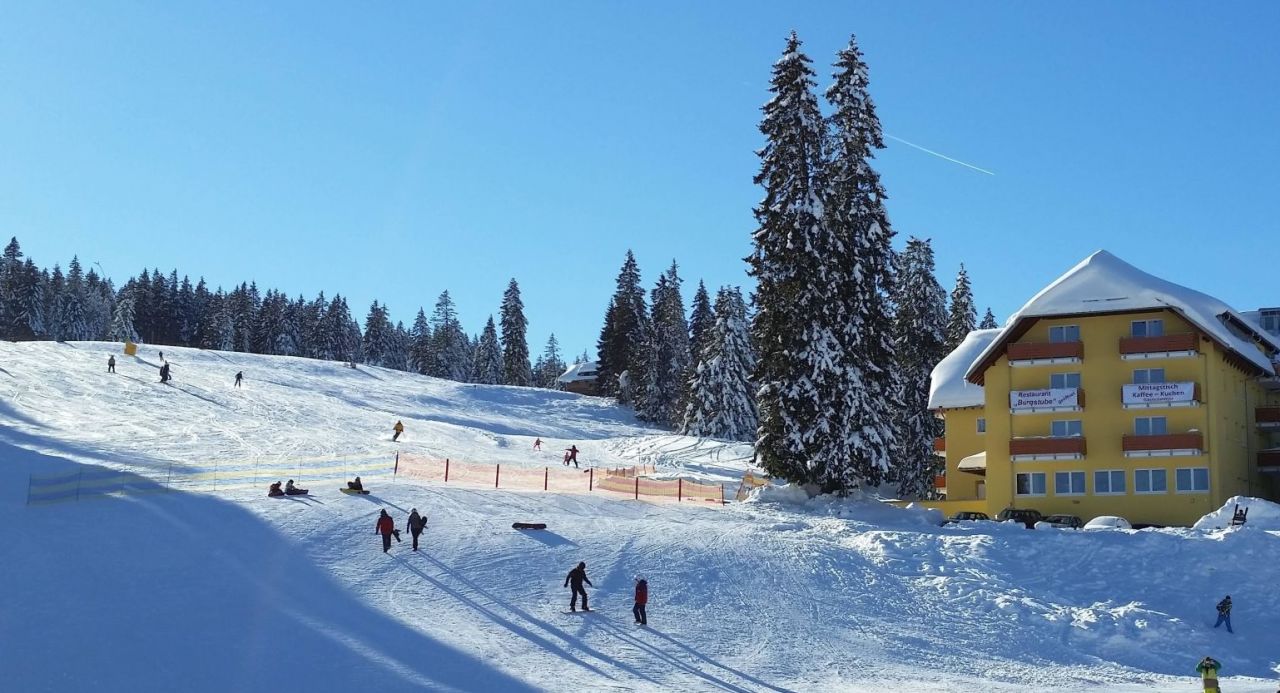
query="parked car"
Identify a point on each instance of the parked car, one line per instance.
(1060, 522)
(966, 516)
(1026, 516)
(1108, 522)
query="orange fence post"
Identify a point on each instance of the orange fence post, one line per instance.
(546, 475)
(637, 488)
(497, 471)
(722, 493)
(446, 470)
(679, 489)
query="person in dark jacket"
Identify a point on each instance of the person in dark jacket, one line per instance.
(417, 523)
(386, 527)
(111, 364)
(575, 578)
(239, 377)
(275, 490)
(1224, 613)
(642, 599)
(398, 428)
(164, 373)
(355, 485)
(291, 490)
(1208, 671)
(571, 455)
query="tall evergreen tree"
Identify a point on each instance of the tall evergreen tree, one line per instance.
(664, 396)
(919, 328)
(722, 398)
(379, 337)
(30, 320)
(122, 329)
(489, 366)
(451, 346)
(338, 343)
(621, 344)
(12, 279)
(550, 364)
(702, 320)
(515, 345)
(801, 365)
(989, 321)
(963, 317)
(859, 268)
(421, 346)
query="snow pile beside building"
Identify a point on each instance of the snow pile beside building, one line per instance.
(1263, 514)
(857, 506)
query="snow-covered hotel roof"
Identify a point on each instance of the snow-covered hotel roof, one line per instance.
(579, 372)
(1103, 283)
(947, 387)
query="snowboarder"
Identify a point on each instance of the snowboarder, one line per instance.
(417, 523)
(355, 485)
(111, 364)
(571, 455)
(537, 444)
(291, 490)
(642, 598)
(399, 428)
(275, 490)
(239, 377)
(1224, 613)
(386, 527)
(164, 373)
(577, 576)
(1208, 670)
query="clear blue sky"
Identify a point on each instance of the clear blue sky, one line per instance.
(392, 150)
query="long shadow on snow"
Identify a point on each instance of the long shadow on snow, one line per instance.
(675, 662)
(215, 596)
(7, 410)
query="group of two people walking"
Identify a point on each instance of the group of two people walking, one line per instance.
(578, 577)
(387, 528)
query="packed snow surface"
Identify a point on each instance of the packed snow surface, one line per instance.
(948, 388)
(1103, 283)
(1262, 514)
(220, 590)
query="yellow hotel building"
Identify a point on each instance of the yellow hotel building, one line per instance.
(1113, 392)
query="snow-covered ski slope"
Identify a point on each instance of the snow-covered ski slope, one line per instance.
(231, 590)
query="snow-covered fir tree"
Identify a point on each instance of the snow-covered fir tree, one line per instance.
(515, 344)
(860, 271)
(988, 321)
(701, 321)
(962, 317)
(488, 367)
(721, 395)
(122, 329)
(919, 324)
(550, 364)
(451, 345)
(30, 320)
(12, 281)
(621, 344)
(379, 337)
(669, 363)
(339, 343)
(421, 348)
(801, 369)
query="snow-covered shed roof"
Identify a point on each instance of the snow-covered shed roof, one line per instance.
(947, 387)
(1103, 283)
(579, 372)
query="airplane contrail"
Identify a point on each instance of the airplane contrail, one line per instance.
(940, 156)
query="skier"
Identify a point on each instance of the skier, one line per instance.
(571, 455)
(386, 527)
(577, 576)
(275, 490)
(1208, 670)
(1224, 613)
(537, 444)
(291, 490)
(642, 598)
(162, 357)
(417, 523)
(111, 364)
(239, 377)
(355, 485)
(164, 373)
(399, 428)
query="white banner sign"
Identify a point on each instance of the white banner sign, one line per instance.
(1152, 393)
(1044, 399)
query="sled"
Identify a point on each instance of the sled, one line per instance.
(354, 492)
(297, 493)
(275, 495)
(528, 525)
(581, 611)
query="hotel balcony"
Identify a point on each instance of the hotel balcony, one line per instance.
(1163, 347)
(940, 483)
(1044, 353)
(1167, 445)
(940, 446)
(1268, 417)
(1269, 460)
(1046, 448)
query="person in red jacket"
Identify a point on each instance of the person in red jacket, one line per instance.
(642, 598)
(386, 527)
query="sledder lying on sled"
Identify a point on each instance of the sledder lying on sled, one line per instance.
(291, 490)
(354, 488)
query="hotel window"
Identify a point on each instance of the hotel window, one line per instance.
(982, 425)
(1068, 483)
(1144, 376)
(1066, 429)
(1192, 479)
(1109, 482)
(1031, 484)
(1146, 328)
(1151, 425)
(1064, 333)
(1271, 321)
(1150, 481)
(1064, 381)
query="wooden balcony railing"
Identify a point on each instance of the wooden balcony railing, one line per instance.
(1028, 351)
(939, 446)
(1047, 446)
(1268, 415)
(1168, 342)
(940, 481)
(1269, 459)
(1169, 441)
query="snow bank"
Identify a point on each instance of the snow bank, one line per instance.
(1263, 514)
(858, 506)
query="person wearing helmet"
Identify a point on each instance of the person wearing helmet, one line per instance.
(575, 578)
(291, 490)
(642, 599)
